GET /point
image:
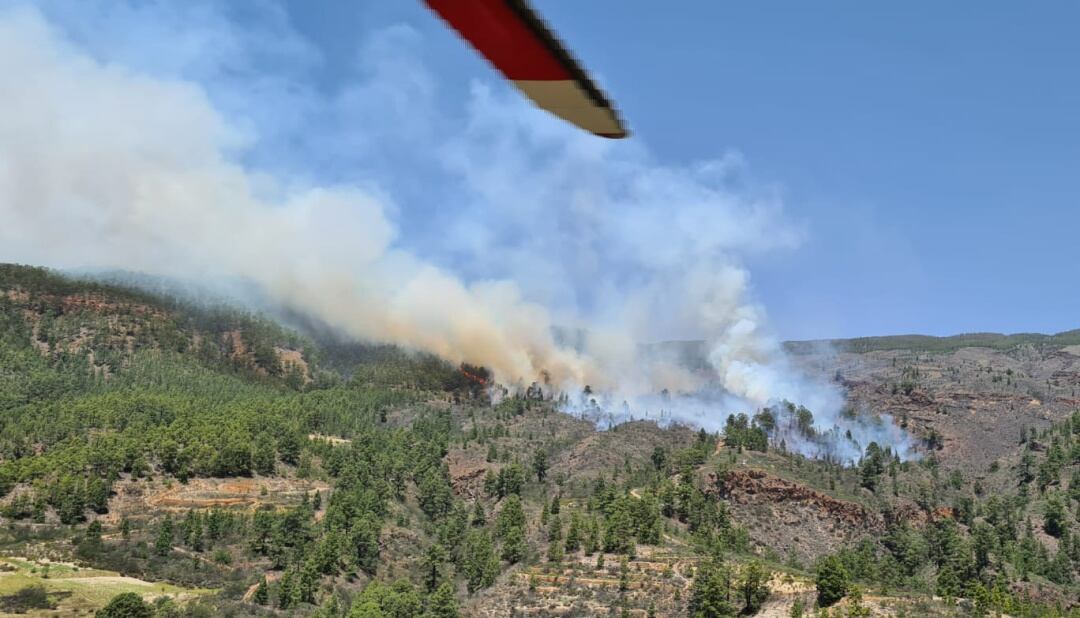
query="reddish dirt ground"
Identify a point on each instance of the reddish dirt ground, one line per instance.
(141, 498)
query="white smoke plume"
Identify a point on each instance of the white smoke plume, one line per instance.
(531, 229)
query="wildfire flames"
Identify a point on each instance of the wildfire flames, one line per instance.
(477, 375)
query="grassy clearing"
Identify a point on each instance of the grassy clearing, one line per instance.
(79, 591)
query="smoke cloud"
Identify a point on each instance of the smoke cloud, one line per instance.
(528, 230)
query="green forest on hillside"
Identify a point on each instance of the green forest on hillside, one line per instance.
(104, 388)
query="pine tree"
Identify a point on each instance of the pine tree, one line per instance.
(710, 594)
(443, 603)
(93, 533)
(659, 458)
(555, 529)
(514, 547)
(648, 523)
(365, 540)
(308, 582)
(512, 515)
(262, 593)
(754, 587)
(619, 530)
(1060, 569)
(479, 518)
(164, 537)
(366, 609)
(193, 531)
(872, 466)
(432, 566)
(215, 524)
(592, 537)
(1055, 522)
(492, 487)
(832, 581)
(540, 464)
(479, 563)
(331, 608)
(69, 501)
(555, 546)
(983, 543)
(288, 592)
(97, 496)
(574, 533)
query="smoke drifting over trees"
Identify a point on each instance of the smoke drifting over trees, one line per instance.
(528, 226)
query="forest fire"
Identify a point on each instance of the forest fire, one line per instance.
(476, 375)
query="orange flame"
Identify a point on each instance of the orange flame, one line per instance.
(474, 377)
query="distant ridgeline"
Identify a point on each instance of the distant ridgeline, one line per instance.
(83, 321)
(927, 343)
(106, 320)
(694, 354)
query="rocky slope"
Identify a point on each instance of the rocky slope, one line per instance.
(971, 402)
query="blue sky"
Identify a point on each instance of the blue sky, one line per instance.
(932, 149)
(928, 153)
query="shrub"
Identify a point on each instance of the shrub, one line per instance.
(126, 605)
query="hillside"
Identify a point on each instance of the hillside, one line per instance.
(213, 462)
(973, 401)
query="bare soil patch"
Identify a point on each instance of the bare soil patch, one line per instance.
(136, 498)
